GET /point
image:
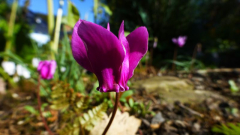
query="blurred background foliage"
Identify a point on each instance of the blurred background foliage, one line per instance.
(212, 23)
(22, 44)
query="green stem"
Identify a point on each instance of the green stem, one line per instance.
(194, 56)
(11, 27)
(50, 18)
(113, 114)
(58, 26)
(50, 25)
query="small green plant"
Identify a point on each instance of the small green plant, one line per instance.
(228, 129)
(139, 108)
(233, 86)
(83, 122)
(185, 63)
(31, 109)
(74, 109)
(126, 94)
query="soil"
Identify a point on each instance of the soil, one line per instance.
(184, 104)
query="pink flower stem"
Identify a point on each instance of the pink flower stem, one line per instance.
(194, 56)
(39, 107)
(113, 114)
(174, 58)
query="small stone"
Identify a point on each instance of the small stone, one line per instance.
(167, 126)
(158, 118)
(154, 126)
(15, 95)
(20, 122)
(146, 122)
(196, 127)
(181, 124)
(217, 118)
(200, 87)
(198, 79)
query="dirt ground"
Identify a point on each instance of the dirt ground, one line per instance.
(184, 104)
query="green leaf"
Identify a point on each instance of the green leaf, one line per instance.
(106, 8)
(131, 102)
(73, 15)
(3, 25)
(31, 109)
(47, 114)
(80, 86)
(144, 16)
(228, 129)
(126, 33)
(43, 92)
(15, 57)
(6, 76)
(234, 127)
(148, 106)
(91, 118)
(233, 86)
(126, 94)
(43, 106)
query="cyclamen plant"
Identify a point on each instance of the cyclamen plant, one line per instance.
(180, 42)
(111, 59)
(46, 71)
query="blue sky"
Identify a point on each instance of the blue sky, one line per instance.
(84, 7)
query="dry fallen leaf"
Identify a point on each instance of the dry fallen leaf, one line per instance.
(123, 124)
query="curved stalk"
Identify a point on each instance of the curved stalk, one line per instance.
(39, 107)
(113, 114)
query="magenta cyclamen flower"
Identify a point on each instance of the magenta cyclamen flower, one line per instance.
(111, 59)
(47, 69)
(180, 41)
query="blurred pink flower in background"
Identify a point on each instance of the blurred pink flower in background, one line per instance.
(112, 59)
(47, 69)
(180, 41)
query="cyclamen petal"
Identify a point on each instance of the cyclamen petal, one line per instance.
(138, 44)
(78, 49)
(108, 57)
(108, 27)
(125, 64)
(105, 54)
